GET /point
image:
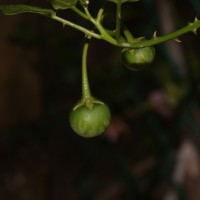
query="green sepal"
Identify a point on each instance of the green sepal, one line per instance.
(17, 9)
(63, 4)
(87, 102)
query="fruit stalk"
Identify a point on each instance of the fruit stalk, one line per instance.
(90, 117)
(86, 93)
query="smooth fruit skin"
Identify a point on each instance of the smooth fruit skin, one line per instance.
(138, 59)
(90, 122)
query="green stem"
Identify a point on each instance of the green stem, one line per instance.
(100, 15)
(192, 27)
(105, 36)
(128, 35)
(111, 32)
(118, 20)
(87, 12)
(103, 33)
(77, 27)
(86, 94)
(76, 10)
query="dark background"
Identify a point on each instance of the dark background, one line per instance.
(151, 149)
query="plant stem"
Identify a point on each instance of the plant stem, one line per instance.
(77, 27)
(105, 36)
(118, 20)
(100, 15)
(86, 94)
(128, 35)
(76, 10)
(191, 27)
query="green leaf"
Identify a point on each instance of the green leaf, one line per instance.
(63, 4)
(16, 9)
(123, 1)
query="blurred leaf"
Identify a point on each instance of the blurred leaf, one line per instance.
(16, 9)
(63, 4)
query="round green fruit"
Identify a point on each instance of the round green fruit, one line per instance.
(90, 122)
(138, 59)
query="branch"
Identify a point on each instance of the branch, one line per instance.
(191, 27)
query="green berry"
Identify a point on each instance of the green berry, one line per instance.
(138, 59)
(90, 122)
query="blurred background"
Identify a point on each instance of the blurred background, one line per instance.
(151, 149)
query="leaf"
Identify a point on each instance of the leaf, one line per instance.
(63, 4)
(16, 9)
(123, 1)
